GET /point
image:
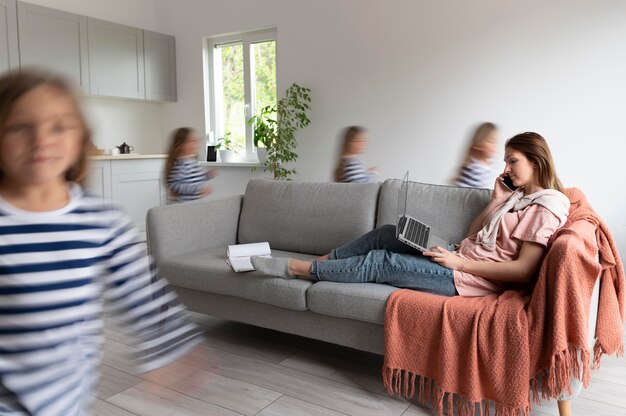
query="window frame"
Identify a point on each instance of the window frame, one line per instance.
(211, 101)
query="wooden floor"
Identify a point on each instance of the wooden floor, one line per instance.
(245, 370)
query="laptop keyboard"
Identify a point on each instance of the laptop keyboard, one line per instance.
(417, 232)
(401, 223)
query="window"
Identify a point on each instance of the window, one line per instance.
(240, 79)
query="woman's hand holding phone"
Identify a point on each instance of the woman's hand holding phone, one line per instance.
(509, 182)
(501, 191)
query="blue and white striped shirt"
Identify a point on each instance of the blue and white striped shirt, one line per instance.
(476, 174)
(354, 171)
(58, 271)
(187, 179)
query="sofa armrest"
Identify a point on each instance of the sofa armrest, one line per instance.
(183, 228)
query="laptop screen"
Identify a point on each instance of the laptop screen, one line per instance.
(402, 195)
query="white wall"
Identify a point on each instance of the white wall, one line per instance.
(116, 120)
(419, 74)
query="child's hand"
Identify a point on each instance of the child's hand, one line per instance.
(206, 190)
(212, 173)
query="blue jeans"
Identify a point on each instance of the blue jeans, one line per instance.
(379, 257)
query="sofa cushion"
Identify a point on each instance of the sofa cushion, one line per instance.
(361, 301)
(306, 217)
(207, 271)
(450, 209)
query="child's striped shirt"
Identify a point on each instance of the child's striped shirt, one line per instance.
(58, 271)
(187, 180)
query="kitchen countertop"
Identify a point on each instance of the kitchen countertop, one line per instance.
(130, 156)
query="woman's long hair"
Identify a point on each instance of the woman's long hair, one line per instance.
(350, 133)
(536, 149)
(15, 85)
(179, 137)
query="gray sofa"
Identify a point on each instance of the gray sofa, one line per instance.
(301, 220)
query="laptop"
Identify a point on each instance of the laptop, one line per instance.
(411, 231)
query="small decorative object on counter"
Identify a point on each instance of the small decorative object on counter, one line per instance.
(125, 149)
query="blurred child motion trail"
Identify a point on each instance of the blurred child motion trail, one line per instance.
(66, 256)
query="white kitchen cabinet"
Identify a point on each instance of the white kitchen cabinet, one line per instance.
(160, 66)
(99, 179)
(116, 61)
(136, 184)
(101, 58)
(54, 40)
(9, 48)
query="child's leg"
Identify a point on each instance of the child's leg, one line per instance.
(381, 238)
(381, 266)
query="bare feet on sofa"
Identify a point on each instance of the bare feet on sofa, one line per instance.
(282, 267)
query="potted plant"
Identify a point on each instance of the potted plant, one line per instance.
(265, 126)
(278, 134)
(227, 148)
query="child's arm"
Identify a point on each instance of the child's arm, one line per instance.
(151, 314)
(212, 173)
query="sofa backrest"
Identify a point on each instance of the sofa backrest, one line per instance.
(450, 209)
(306, 217)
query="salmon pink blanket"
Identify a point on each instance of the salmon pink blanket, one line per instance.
(464, 353)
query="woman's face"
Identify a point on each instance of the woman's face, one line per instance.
(191, 145)
(42, 137)
(519, 168)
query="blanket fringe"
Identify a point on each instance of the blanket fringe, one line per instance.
(402, 382)
(598, 351)
(557, 376)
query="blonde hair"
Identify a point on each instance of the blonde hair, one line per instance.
(481, 134)
(15, 85)
(536, 150)
(349, 135)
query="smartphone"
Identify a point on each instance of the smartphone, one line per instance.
(509, 183)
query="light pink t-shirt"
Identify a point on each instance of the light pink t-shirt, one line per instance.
(534, 223)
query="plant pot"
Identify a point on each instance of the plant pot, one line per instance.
(261, 154)
(227, 156)
(211, 154)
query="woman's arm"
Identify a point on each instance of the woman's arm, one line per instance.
(500, 194)
(477, 224)
(520, 270)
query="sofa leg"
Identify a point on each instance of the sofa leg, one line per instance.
(565, 408)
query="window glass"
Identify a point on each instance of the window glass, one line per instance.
(232, 119)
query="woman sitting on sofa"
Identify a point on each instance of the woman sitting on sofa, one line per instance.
(505, 244)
